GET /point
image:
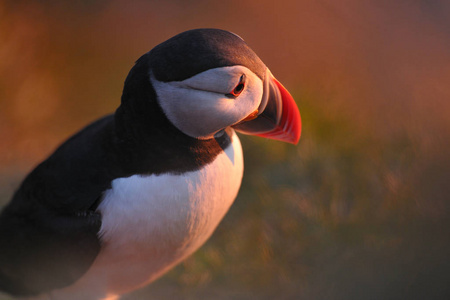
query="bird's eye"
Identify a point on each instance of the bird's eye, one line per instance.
(238, 88)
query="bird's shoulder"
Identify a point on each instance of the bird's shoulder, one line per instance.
(48, 232)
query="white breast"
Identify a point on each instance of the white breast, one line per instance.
(150, 223)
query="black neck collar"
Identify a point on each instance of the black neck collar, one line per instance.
(147, 139)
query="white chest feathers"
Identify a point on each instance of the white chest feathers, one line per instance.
(150, 223)
(172, 212)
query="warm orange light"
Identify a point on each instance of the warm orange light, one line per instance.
(251, 116)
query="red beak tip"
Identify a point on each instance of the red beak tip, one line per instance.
(284, 125)
(290, 126)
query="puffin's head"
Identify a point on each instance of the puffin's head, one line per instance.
(208, 79)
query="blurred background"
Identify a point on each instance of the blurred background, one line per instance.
(358, 210)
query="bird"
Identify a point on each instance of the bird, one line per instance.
(134, 193)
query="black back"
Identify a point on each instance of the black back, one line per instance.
(48, 232)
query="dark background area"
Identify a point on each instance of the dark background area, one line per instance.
(358, 210)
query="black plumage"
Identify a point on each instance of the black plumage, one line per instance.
(49, 231)
(195, 51)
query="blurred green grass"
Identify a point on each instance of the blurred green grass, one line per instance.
(332, 218)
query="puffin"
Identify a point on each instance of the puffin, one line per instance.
(134, 193)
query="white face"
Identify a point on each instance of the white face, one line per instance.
(199, 106)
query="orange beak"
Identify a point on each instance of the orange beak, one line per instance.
(277, 117)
